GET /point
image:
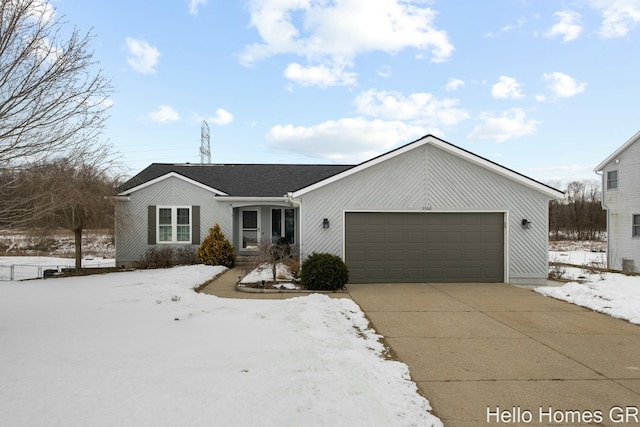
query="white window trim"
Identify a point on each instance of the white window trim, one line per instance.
(617, 180)
(633, 227)
(174, 225)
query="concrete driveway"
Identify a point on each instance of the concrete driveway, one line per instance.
(497, 354)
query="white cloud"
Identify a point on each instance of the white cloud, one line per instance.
(618, 16)
(319, 75)
(165, 113)
(385, 71)
(334, 33)
(194, 5)
(507, 87)
(142, 56)
(453, 84)
(418, 107)
(350, 140)
(222, 117)
(563, 85)
(568, 27)
(509, 124)
(509, 27)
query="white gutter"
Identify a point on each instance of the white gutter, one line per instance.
(297, 204)
(602, 184)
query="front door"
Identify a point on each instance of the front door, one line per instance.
(250, 228)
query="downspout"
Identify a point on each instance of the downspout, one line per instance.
(602, 184)
(297, 204)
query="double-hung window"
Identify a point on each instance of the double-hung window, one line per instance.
(174, 224)
(612, 180)
(635, 227)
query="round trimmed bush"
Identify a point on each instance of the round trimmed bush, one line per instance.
(323, 272)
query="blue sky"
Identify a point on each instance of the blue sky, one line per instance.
(546, 87)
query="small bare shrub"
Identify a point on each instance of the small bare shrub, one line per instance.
(628, 266)
(158, 257)
(272, 254)
(557, 272)
(168, 256)
(184, 255)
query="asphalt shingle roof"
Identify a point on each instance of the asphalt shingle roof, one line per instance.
(244, 180)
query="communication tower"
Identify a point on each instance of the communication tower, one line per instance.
(205, 144)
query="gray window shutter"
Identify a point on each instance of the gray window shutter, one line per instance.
(195, 227)
(151, 225)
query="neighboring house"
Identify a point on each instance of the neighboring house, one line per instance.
(428, 211)
(620, 174)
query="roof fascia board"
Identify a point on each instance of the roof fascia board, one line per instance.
(172, 175)
(252, 198)
(429, 139)
(616, 153)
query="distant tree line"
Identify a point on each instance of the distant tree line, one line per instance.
(580, 215)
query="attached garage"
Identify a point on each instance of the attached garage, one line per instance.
(436, 247)
(429, 212)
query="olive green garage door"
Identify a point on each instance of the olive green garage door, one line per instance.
(436, 247)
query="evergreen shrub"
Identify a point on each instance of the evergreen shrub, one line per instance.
(216, 249)
(324, 272)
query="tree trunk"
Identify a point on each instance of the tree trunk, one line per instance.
(77, 232)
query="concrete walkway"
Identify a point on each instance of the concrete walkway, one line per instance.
(490, 354)
(225, 286)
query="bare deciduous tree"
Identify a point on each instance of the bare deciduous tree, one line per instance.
(69, 194)
(53, 98)
(54, 102)
(273, 253)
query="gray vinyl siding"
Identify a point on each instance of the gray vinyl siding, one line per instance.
(621, 204)
(430, 179)
(132, 226)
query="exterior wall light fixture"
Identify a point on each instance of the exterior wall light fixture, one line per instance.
(325, 223)
(526, 224)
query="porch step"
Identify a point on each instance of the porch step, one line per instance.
(246, 260)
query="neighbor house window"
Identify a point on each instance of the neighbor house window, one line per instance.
(636, 226)
(612, 180)
(174, 224)
(282, 225)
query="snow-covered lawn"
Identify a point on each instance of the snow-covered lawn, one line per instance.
(612, 293)
(143, 349)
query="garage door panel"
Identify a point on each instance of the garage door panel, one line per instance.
(434, 237)
(376, 237)
(424, 247)
(396, 237)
